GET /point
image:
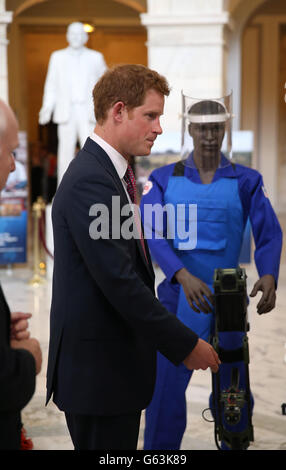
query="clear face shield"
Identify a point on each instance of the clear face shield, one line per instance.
(206, 132)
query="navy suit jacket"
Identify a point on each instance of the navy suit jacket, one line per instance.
(106, 324)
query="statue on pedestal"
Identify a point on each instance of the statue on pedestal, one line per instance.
(72, 74)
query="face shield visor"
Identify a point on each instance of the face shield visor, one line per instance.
(207, 132)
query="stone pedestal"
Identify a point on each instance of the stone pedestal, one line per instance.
(187, 44)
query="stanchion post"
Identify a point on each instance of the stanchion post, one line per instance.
(37, 208)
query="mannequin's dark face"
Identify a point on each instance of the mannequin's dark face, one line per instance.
(207, 138)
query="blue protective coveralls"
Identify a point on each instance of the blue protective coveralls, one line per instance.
(235, 195)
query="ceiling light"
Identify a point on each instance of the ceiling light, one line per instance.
(88, 28)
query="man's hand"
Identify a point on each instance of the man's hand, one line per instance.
(266, 284)
(19, 325)
(196, 291)
(33, 346)
(202, 356)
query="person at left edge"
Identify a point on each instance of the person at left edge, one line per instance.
(20, 355)
(106, 323)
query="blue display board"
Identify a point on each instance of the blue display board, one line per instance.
(13, 210)
(13, 231)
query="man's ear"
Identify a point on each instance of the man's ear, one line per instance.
(118, 111)
(191, 130)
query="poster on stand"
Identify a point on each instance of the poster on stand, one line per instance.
(13, 209)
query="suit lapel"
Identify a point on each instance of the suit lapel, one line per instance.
(104, 160)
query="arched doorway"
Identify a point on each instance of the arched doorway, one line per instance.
(39, 28)
(263, 107)
(255, 75)
(137, 5)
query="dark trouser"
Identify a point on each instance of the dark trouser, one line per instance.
(10, 431)
(104, 432)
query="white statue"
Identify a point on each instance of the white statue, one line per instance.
(71, 76)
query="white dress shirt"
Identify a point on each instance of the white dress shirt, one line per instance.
(119, 162)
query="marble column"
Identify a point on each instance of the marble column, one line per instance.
(187, 42)
(5, 19)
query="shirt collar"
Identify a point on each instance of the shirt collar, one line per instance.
(119, 162)
(224, 162)
(225, 169)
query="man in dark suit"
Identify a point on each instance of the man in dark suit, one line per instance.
(20, 355)
(106, 324)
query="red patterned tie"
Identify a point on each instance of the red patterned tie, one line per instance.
(131, 188)
(131, 183)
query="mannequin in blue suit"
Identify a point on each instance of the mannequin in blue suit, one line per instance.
(226, 195)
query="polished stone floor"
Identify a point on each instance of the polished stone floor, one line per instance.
(267, 339)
